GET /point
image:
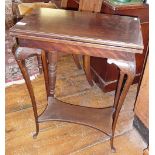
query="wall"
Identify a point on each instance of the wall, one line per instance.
(142, 103)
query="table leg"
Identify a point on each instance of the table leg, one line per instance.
(39, 63)
(52, 66)
(86, 67)
(45, 69)
(20, 57)
(25, 74)
(129, 69)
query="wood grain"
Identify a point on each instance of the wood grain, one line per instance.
(58, 36)
(105, 29)
(107, 77)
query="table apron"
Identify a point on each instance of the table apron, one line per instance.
(107, 52)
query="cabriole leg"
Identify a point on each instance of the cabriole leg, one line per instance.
(129, 69)
(30, 89)
(21, 62)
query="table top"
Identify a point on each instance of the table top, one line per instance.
(95, 28)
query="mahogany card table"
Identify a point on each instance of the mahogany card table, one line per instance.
(117, 38)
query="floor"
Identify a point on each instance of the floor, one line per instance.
(58, 138)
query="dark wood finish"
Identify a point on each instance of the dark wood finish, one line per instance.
(92, 6)
(86, 66)
(60, 111)
(70, 4)
(128, 69)
(45, 68)
(52, 58)
(41, 57)
(57, 33)
(106, 30)
(20, 58)
(78, 47)
(107, 77)
(75, 57)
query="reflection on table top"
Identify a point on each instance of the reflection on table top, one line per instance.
(82, 26)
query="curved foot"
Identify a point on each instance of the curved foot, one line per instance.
(113, 149)
(112, 145)
(35, 135)
(91, 83)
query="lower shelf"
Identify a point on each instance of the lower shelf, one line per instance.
(98, 118)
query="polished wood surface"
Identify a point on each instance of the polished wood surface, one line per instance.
(60, 111)
(105, 29)
(91, 6)
(107, 78)
(54, 40)
(117, 53)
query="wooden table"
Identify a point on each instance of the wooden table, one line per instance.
(117, 38)
(107, 78)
